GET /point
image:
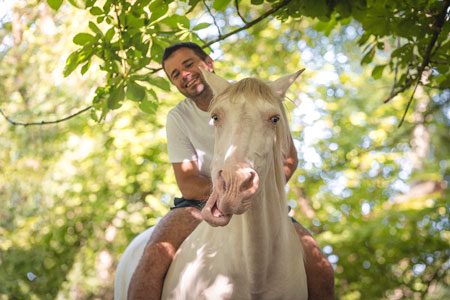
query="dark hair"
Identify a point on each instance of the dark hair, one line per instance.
(171, 49)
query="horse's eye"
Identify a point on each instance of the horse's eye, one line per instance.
(215, 118)
(275, 119)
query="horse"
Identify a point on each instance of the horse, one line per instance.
(247, 248)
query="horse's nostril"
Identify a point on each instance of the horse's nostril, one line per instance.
(249, 182)
(221, 181)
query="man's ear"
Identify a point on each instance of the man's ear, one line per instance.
(281, 85)
(217, 83)
(210, 63)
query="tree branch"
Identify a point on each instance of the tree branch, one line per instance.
(247, 25)
(122, 52)
(409, 103)
(45, 122)
(437, 27)
(155, 70)
(399, 91)
(396, 68)
(214, 19)
(236, 4)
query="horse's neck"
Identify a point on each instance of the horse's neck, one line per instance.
(266, 229)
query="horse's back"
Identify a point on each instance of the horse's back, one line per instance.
(128, 263)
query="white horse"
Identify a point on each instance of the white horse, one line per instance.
(251, 251)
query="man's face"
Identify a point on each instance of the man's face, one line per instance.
(182, 67)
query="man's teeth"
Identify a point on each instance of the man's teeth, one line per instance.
(190, 83)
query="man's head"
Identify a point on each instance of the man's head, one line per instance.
(181, 63)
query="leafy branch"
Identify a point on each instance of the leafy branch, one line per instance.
(116, 92)
(246, 26)
(437, 28)
(119, 26)
(250, 24)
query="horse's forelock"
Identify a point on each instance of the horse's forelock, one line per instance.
(251, 88)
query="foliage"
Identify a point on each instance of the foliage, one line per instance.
(129, 39)
(74, 194)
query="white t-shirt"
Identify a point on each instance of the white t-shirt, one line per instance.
(190, 135)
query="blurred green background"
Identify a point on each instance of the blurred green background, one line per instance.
(73, 194)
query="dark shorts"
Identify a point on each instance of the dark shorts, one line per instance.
(183, 202)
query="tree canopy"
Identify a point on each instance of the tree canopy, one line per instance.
(77, 188)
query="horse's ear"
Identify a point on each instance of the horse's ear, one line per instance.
(217, 83)
(281, 85)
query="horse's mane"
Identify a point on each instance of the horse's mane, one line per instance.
(253, 89)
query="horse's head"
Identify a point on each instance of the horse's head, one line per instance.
(251, 127)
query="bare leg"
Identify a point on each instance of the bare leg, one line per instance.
(319, 273)
(172, 230)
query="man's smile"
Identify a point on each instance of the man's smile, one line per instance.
(191, 82)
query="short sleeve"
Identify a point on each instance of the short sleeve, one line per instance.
(178, 144)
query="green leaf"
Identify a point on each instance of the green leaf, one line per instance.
(148, 106)
(315, 8)
(55, 4)
(94, 115)
(220, 5)
(153, 94)
(109, 142)
(364, 38)
(135, 91)
(90, 3)
(116, 96)
(76, 3)
(175, 20)
(156, 52)
(193, 4)
(71, 63)
(83, 38)
(378, 71)
(85, 67)
(95, 28)
(257, 2)
(110, 34)
(159, 82)
(201, 26)
(369, 56)
(96, 11)
(445, 84)
(158, 9)
(107, 6)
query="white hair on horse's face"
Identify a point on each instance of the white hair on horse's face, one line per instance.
(252, 90)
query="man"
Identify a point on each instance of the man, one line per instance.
(190, 141)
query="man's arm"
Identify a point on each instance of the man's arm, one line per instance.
(192, 184)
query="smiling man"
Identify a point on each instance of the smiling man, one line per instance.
(190, 143)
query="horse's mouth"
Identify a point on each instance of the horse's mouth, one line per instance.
(212, 214)
(215, 209)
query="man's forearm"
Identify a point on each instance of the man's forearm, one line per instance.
(196, 188)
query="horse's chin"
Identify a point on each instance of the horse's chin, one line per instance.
(212, 214)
